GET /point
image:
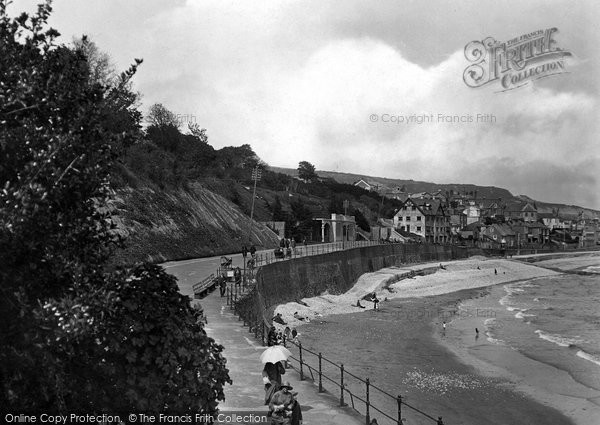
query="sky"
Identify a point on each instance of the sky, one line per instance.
(336, 84)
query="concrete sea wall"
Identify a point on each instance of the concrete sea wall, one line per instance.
(337, 272)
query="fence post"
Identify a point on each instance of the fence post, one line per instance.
(301, 362)
(262, 332)
(368, 416)
(342, 385)
(320, 375)
(399, 410)
(256, 326)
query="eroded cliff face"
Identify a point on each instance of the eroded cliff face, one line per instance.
(182, 223)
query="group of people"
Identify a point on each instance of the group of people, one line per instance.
(373, 298)
(275, 337)
(284, 408)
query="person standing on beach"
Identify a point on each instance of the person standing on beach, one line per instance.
(375, 301)
(444, 327)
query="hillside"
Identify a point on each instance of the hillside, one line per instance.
(412, 186)
(163, 225)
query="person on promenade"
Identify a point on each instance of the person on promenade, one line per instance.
(286, 334)
(476, 333)
(296, 410)
(444, 327)
(252, 250)
(272, 337)
(222, 286)
(495, 271)
(237, 275)
(281, 405)
(272, 379)
(293, 245)
(200, 318)
(294, 335)
(244, 251)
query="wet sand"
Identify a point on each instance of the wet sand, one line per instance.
(536, 377)
(402, 349)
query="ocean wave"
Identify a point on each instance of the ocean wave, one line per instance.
(522, 315)
(559, 339)
(592, 269)
(590, 357)
(494, 340)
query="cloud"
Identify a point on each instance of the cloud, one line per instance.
(300, 83)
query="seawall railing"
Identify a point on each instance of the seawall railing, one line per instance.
(354, 391)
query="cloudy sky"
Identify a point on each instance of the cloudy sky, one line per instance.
(320, 81)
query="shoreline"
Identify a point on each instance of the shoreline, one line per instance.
(464, 285)
(397, 349)
(544, 382)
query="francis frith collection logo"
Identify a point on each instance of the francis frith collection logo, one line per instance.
(516, 62)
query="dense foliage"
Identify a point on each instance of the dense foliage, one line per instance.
(74, 335)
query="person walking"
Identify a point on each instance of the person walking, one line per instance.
(222, 286)
(272, 379)
(252, 250)
(281, 405)
(237, 275)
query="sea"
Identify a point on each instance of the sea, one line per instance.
(555, 320)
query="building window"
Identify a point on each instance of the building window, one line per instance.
(418, 228)
(408, 218)
(418, 218)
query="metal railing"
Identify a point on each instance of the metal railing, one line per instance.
(361, 392)
(263, 258)
(358, 391)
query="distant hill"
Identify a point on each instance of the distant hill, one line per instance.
(412, 186)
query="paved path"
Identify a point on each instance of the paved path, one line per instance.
(242, 352)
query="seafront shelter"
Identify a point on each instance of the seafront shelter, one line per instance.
(338, 228)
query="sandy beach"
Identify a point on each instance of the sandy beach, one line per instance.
(466, 379)
(419, 280)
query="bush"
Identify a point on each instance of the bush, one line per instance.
(75, 336)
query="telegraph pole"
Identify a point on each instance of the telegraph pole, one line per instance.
(256, 175)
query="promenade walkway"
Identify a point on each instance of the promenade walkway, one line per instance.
(242, 352)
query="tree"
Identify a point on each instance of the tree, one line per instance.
(75, 334)
(301, 220)
(306, 171)
(277, 210)
(361, 220)
(161, 117)
(197, 132)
